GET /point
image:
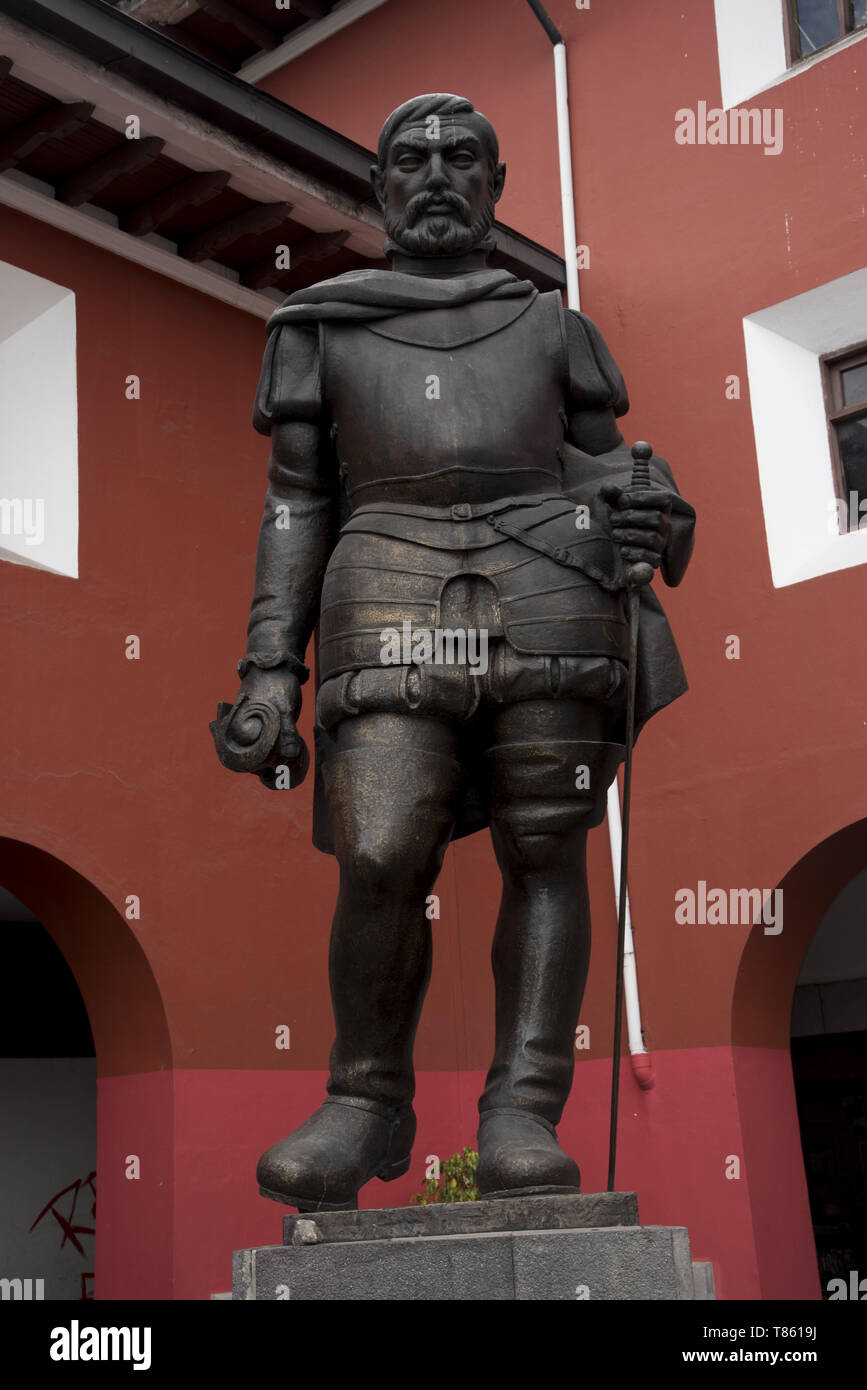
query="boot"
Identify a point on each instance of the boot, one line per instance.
(344, 1144)
(540, 957)
(519, 1157)
(391, 819)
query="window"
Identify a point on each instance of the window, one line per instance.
(764, 42)
(38, 423)
(815, 24)
(846, 403)
(807, 364)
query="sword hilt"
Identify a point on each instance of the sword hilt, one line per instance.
(640, 574)
(641, 455)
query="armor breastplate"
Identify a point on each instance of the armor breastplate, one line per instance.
(449, 405)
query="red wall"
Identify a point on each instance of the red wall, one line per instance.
(109, 762)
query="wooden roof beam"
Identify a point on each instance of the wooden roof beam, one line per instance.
(131, 155)
(244, 23)
(152, 214)
(159, 11)
(192, 42)
(207, 245)
(314, 247)
(52, 124)
(295, 279)
(318, 245)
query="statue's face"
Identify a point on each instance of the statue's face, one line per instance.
(438, 189)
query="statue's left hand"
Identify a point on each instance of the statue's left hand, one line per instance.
(640, 521)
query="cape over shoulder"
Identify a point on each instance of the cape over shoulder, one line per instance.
(290, 382)
(370, 294)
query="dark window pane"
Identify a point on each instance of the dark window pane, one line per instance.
(854, 380)
(817, 24)
(852, 438)
(859, 13)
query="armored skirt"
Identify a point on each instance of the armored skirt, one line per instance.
(528, 596)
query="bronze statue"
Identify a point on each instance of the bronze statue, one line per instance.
(449, 497)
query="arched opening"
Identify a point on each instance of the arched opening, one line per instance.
(48, 1103)
(829, 1061)
(767, 1004)
(98, 986)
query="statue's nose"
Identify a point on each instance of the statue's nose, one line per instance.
(437, 177)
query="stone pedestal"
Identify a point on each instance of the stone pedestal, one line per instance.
(520, 1249)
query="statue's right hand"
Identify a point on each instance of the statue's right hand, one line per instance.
(281, 689)
(258, 733)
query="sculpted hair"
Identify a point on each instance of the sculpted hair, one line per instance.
(414, 111)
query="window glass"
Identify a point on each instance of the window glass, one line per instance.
(859, 13)
(817, 24)
(854, 382)
(852, 438)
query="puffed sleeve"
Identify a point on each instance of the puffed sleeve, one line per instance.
(594, 378)
(290, 386)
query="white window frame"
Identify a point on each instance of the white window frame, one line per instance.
(784, 346)
(38, 423)
(751, 42)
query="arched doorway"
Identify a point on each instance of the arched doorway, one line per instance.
(48, 1103)
(829, 1061)
(769, 975)
(132, 1249)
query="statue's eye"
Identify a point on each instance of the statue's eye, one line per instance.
(409, 161)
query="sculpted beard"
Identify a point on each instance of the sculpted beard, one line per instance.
(441, 234)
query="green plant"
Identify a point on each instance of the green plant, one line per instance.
(456, 1181)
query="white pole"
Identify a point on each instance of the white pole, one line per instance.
(642, 1065)
(567, 197)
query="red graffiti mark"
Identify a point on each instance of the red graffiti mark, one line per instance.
(71, 1231)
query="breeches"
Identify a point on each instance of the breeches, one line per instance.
(457, 691)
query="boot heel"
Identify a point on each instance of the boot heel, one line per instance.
(351, 1205)
(394, 1170)
(301, 1205)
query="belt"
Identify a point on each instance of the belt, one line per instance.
(559, 554)
(459, 511)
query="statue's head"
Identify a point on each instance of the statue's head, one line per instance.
(438, 178)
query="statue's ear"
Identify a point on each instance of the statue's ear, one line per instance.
(377, 178)
(499, 180)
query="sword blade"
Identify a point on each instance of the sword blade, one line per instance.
(638, 576)
(633, 602)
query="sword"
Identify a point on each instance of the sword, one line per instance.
(637, 576)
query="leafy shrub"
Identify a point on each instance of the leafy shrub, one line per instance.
(456, 1182)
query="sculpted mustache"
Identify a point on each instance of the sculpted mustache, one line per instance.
(420, 205)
